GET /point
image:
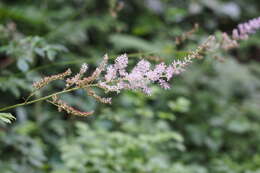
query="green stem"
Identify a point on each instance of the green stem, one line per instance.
(37, 100)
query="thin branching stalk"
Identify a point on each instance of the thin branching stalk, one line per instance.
(117, 77)
(42, 98)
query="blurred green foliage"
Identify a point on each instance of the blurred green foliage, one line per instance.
(209, 121)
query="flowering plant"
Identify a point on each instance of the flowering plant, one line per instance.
(116, 77)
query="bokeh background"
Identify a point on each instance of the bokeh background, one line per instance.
(209, 122)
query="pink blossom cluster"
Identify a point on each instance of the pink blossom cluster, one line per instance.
(244, 29)
(142, 75)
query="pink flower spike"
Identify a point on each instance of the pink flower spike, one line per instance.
(169, 72)
(111, 73)
(235, 34)
(142, 67)
(121, 62)
(164, 84)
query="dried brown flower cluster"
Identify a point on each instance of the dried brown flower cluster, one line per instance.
(46, 80)
(78, 81)
(92, 93)
(62, 106)
(86, 80)
(116, 8)
(187, 35)
(227, 42)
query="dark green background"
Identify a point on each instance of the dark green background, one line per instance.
(207, 123)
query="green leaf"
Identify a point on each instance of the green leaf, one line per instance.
(22, 65)
(180, 105)
(7, 117)
(166, 115)
(123, 41)
(51, 54)
(39, 51)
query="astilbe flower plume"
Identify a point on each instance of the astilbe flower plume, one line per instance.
(143, 74)
(243, 30)
(117, 76)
